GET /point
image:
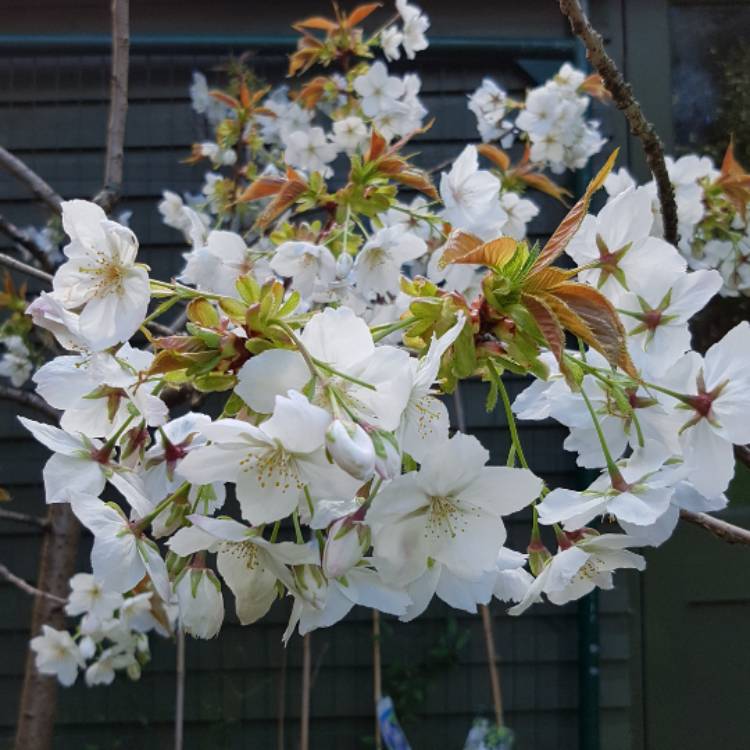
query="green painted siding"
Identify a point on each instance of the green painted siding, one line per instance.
(52, 113)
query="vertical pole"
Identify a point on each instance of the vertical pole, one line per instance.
(489, 637)
(588, 671)
(179, 700)
(304, 737)
(588, 607)
(377, 686)
(489, 642)
(281, 702)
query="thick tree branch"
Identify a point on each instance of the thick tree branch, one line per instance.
(721, 529)
(13, 165)
(118, 106)
(622, 95)
(25, 268)
(12, 515)
(29, 399)
(6, 575)
(23, 240)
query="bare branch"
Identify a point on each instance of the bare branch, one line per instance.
(29, 399)
(22, 239)
(118, 106)
(25, 268)
(12, 515)
(13, 165)
(27, 587)
(722, 529)
(622, 95)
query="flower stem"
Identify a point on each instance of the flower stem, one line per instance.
(515, 438)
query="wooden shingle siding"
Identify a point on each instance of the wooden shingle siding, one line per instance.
(52, 113)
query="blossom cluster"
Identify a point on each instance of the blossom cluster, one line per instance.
(552, 119)
(319, 330)
(712, 215)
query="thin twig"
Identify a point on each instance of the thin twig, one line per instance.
(6, 575)
(118, 106)
(179, 700)
(281, 703)
(25, 268)
(622, 96)
(728, 532)
(22, 239)
(29, 399)
(31, 179)
(489, 638)
(489, 643)
(15, 516)
(304, 719)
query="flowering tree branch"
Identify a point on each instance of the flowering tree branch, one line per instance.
(721, 529)
(29, 399)
(11, 515)
(25, 268)
(14, 166)
(118, 106)
(21, 239)
(622, 95)
(6, 575)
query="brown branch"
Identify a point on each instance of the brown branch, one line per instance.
(12, 515)
(28, 399)
(13, 165)
(23, 240)
(25, 268)
(722, 529)
(38, 700)
(622, 95)
(6, 575)
(118, 106)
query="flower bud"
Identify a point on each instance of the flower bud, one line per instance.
(87, 647)
(201, 603)
(310, 585)
(344, 264)
(134, 671)
(351, 448)
(387, 455)
(347, 541)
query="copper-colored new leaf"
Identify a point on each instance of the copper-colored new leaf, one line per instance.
(417, 179)
(261, 188)
(571, 223)
(458, 244)
(594, 320)
(308, 50)
(734, 180)
(310, 95)
(376, 147)
(546, 279)
(224, 98)
(360, 13)
(291, 190)
(494, 253)
(495, 154)
(594, 86)
(544, 184)
(548, 324)
(316, 22)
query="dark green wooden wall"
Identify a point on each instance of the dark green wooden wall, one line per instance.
(52, 113)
